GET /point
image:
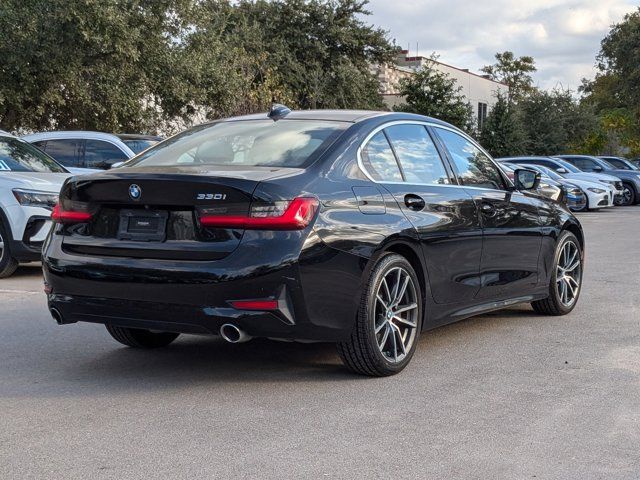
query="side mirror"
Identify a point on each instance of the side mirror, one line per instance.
(525, 179)
(597, 168)
(562, 170)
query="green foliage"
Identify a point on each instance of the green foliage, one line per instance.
(514, 72)
(554, 122)
(620, 56)
(615, 92)
(434, 93)
(502, 133)
(138, 65)
(83, 64)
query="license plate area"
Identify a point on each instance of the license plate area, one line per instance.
(143, 225)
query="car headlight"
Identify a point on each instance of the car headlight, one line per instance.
(34, 198)
(596, 190)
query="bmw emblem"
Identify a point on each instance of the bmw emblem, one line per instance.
(135, 192)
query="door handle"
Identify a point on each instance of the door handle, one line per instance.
(414, 202)
(488, 209)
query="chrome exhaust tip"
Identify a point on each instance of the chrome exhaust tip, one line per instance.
(233, 334)
(57, 316)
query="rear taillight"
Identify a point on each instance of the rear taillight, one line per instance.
(62, 215)
(294, 215)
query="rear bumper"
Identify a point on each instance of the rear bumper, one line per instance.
(318, 290)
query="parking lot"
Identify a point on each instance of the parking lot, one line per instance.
(506, 395)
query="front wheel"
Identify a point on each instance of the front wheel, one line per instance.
(388, 324)
(8, 264)
(566, 281)
(628, 195)
(139, 338)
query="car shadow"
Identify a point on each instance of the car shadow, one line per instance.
(27, 271)
(203, 360)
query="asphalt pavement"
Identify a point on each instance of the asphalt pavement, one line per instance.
(509, 395)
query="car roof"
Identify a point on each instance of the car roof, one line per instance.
(137, 136)
(527, 157)
(82, 134)
(351, 116)
(578, 156)
(4, 133)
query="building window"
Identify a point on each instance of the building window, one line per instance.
(482, 114)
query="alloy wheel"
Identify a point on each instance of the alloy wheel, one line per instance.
(569, 273)
(396, 314)
(627, 196)
(1, 246)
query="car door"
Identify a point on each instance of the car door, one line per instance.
(512, 231)
(102, 154)
(403, 158)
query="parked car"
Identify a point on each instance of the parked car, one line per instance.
(596, 195)
(630, 179)
(546, 187)
(29, 186)
(576, 198)
(82, 150)
(360, 228)
(570, 172)
(620, 163)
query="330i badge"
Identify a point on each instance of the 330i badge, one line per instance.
(360, 228)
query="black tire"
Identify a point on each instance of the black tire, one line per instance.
(139, 338)
(629, 195)
(8, 264)
(361, 352)
(552, 305)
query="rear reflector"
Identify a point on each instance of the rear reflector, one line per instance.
(69, 216)
(254, 304)
(295, 216)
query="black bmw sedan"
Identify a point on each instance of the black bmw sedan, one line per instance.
(360, 228)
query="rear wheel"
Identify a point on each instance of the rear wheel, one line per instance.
(139, 338)
(566, 282)
(8, 264)
(387, 328)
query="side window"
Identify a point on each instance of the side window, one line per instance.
(417, 154)
(474, 168)
(584, 164)
(547, 164)
(42, 144)
(64, 151)
(379, 160)
(101, 154)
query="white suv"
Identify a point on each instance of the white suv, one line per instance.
(30, 182)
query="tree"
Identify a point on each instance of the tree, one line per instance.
(90, 65)
(555, 122)
(514, 72)
(502, 133)
(434, 93)
(320, 51)
(614, 94)
(620, 56)
(144, 65)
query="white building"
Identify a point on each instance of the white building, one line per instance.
(479, 90)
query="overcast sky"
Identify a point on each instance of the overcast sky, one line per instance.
(563, 36)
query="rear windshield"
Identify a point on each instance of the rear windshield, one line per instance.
(139, 145)
(20, 156)
(285, 143)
